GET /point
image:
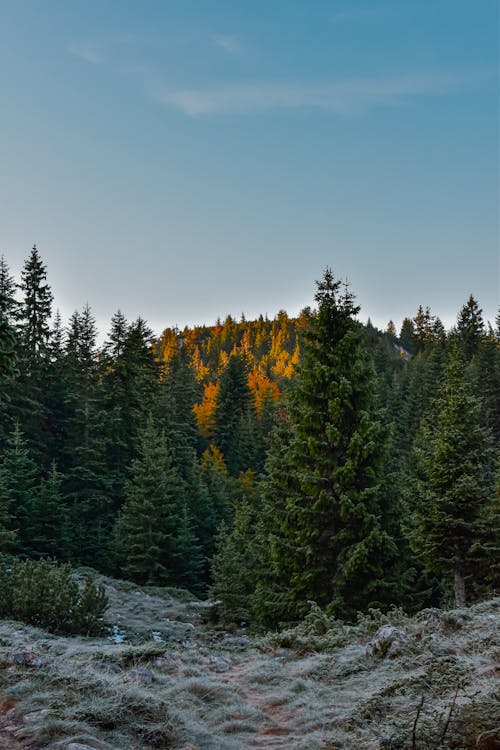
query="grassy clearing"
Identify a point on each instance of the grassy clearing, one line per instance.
(173, 682)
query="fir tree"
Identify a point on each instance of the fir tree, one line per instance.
(452, 488)
(470, 331)
(35, 311)
(87, 480)
(48, 520)
(237, 559)
(333, 549)
(18, 488)
(232, 409)
(29, 401)
(153, 539)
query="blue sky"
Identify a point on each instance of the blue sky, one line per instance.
(185, 159)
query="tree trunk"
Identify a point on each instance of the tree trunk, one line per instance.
(459, 583)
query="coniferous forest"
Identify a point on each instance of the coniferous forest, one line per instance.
(265, 463)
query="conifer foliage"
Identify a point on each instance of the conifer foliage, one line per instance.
(270, 461)
(333, 549)
(451, 501)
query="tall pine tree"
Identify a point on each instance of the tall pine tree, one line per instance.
(333, 548)
(452, 491)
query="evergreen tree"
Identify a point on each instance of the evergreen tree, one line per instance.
(88, 479)
(232, 409)
(154, 542)
(35, 311)
(335, 551)
(470, 331)
(18, 488)
(29, 402)
(48, 520)
(237, 558)
(452, 488)
(8, 304)
(407, 336)
(129, 380)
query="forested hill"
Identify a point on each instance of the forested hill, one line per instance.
(279, 460)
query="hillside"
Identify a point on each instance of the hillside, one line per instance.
(164, 678)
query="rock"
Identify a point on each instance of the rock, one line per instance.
(142, 675)
(35, 716)
(388, 642)
(218, 664)
(26, 659)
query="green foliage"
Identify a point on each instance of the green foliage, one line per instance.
(45, 594)
(155, 542)
(233, 416)
(329, 545)
(18, 490)
(236, 558)
(451, 495)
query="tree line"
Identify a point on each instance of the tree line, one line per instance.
(270, 462)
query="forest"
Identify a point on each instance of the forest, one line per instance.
(265, 463)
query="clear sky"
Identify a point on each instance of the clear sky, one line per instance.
(185, 159)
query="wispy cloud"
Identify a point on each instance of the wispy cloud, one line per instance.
(229, 44)
(88, 51)
(343, 97)
(94, 50)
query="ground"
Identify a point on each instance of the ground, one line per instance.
(164, 678)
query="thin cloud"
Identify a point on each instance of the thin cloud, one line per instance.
(229, 44)
(87, 51)
(343, 97)
(93, 50)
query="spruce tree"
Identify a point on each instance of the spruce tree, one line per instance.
(153, 540)
(48, 520)
(35, 311)
(233, 410)
(87, 481)
(18, 489)
(237, 556)
(29, 402)
(470, 331)
(333, 548)
(453, 486)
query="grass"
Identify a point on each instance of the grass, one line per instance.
(312, 687)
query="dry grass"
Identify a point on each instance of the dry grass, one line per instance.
(310, 688)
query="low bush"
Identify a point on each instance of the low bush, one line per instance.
(44, 593)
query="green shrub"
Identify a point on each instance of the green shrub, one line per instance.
(44, 593)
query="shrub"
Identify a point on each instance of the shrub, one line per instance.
(44, 593)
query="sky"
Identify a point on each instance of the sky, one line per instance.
(183, 160)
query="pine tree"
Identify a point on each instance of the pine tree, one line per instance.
(29, 401)
(87, 481)
(237, 558)
(452, 487)
(35, 311)
(48, 520)
(18, 488)
(232, 408)
(333, 548)
(153, 540)
(8, 304)
(470, 331)
(129, 379)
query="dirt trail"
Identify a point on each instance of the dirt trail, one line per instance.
(9, 724)
(276, 728)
